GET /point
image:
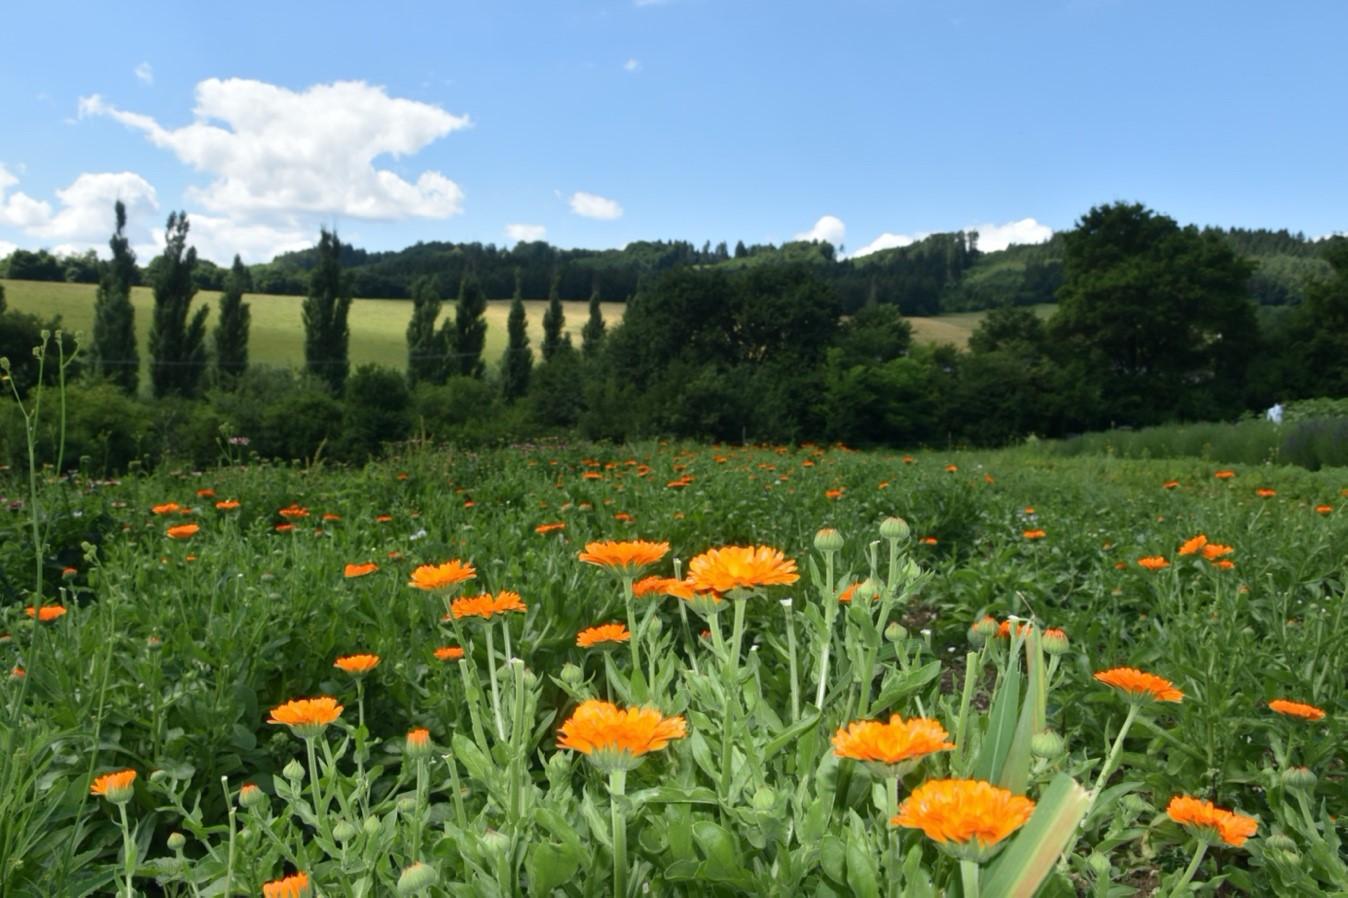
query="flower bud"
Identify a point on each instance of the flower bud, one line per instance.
(344, 832)
(407, 805)
(497, 842)
(176, 841)
(1280, 842)
(417, 878)
(371, 826)
(158, 776)
(982, 630)
(1046, 745)
(572, 675)
(294, 771)
(1055, 642)
(895, 632)
(1299, 779)
(418, 743)
(828, 541)
(868, 591)
(250, 796)
(764, 799)
(894, 528)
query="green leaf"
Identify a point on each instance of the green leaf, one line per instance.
(549, 866)
(1051, 830)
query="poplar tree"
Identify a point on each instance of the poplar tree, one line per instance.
(470, 328)
(326, 335)
(177, 345)
(554, 319)
(592, 335)
(425, 348)
(231, 333)
(114, 353)
(518, 363)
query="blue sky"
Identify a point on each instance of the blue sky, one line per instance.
(597, 122)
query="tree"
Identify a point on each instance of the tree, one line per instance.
(592, 335)
(115, 355)
(470, 328)
(876, 333)
(518, 363)
(1160, 314)
(326, 335)
(3, 304)
(425, 348)
(231, 332)
(1319, 329)
(177, 346)
(1010, 328)
(554, 320)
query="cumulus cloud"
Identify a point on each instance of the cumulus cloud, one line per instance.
(885, 241)
(6, 248)
(144, 73)
(83, 216)
(526, 232)
(992, 237)
(590, 205)
(276, 152)
(632, 65)
(828, 228)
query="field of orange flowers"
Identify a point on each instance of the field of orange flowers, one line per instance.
(676, 670)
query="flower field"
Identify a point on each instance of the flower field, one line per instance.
(676, 670)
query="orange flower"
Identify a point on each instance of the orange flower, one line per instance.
(1265, 493)
(740, 567)
(46, 613)
(1004, 629)
(1153, 562)
(891, 744)
(616, 738)
(357, 665)
(294, 886)
(331, 516)
(166, 508)
(624, 517)
(293, 512)
(227, 504)
(951, 469)
(928, 540)
(418, 743)
(624, 558)
(604, 633)
(486, 605)
(851, 590)
(1170, 484)
(1225, 474)
(115, 787)
(1224, 563)
(284, 528)
(548, 528)
(1210, 822)
(206, 493)
(1029, 509)
(359, 570)
(1296, 709)
(1213, 551)
(833, 494)
(1324, 509)
(1193, 546)
(1138, 685)
(182, 531)
(967, 818)
(449, 653)
(383, 518)
(1034, 534)
(665, 586)
(307, 717)
(442, 576)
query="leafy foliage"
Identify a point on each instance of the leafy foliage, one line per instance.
(177, 345)
(114, 351)
(326, 335)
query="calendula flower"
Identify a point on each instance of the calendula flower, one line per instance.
(182, 531)
(1153, 562)
(1194, 545)
(227, 504)
(1055, 641)
(487, 605)
(1034, 534)
(1213, 551)
(1004, 628)
(46, 613)
(116, 787)
(1324, 509)
(294, 886)
(357, 665)
(1170, 485)
(665, 586)
(614, 738)
(951, 469)
(549, 527)
(851, 590)
(927, 540)
(1225, 474)
(307, 717)
(166, 508)
(284, 528)
(891, 749)
(250, 795)
(449, 653)
(968, 819)
(331, 516)
(383, 518)
(1265, 493)
(293, 512)
(418, 743)
(625, 558)
(1138, 685)
(1296, 709)
(442, 576)
(605, 633)
(206, 493)
(1209, 822)
(740, 567)
(351, 571)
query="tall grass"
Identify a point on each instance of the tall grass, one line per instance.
(1311, 443)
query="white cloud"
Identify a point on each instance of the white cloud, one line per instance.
(992, 237)
(144, 73)
(218, 239)
(632, 65)
(885, 241)
(526, 232)
(590, 205)
(6, 248)
(278, 153)
(84, 216)
(828, 228)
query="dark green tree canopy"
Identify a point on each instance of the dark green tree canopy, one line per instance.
(554, 321)
(177, 344)
(231, 330)
(116, 356)
(325, 309)
(518, 363)
(470, 328)
(425, 347)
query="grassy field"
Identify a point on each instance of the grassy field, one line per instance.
(463, 750)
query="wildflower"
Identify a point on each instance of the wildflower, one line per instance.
(1194, 545)
(604, 633)
(665, 586)
(1170, 485)
(1296, 709)
(891, 748)
(624, 517)
(1265, 493)
(331, 516)
(115, 787)
(486, 605)
(206, 493)
(1140, 686)
(284, 528)
(616, 738)
(182, 531)
(227, 504)
(548, 528)
(1324, 509)
(449, 653)
(351, 571)
(951, 469)
(46, 613)
(833, 494)
(307, 717)
(250, 795)
(1153, 562)
(851, 590)
(966, 818)
(293, 512)
(1034, 534)
(1225, 474)
(442, 576)
(383, 518)
(418, 742)
(1224, 563)
(928, 540)
(166, 508)
(1213, 551)
(626, 558)
(357, 665)
(740, 567)
(293, 886)
(1209, 822)
(1004, 628)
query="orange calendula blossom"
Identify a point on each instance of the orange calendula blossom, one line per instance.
(626, 558)
(892, 747)
(1207, 821)
(227, 504)
(182, 531)
(1296, 709)
(166, 508)
(614, 738)
(294, 886)
(46, 613)
(442, 576)
(602, 634)
(1224, 474)
(293, 512)
(550, 526)
(486, 605)
(116, 787)
(1324, 509)
(1034, 534)
(1139, 685)
(1193, 545)
(351, 571)
(1170, 485)
(357, 665)
(740, 567)
(664, 586)
(1153, 562)
(449, 653)
(1265, 492)
(307, 717)
(968, 819)
(1213, 551)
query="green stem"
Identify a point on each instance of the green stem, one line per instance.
(1112, 761)
(415, 853)
(233, 826)
(972, 668)
(313, 778)
(791, 660)
(969, 877)
(634, 641)
(617, 787)
(732, 696)
(128, 851)
(460, 816)
(1183, 885)
(495, 691)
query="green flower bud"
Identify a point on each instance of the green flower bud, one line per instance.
(176, 841)
(407, 805)
(1298, 778)
(371, 826)
(417, 878)
(158, 776)
(250, 796)
(894, 528)
(344, 832)
(294, 771)
(828, 541)
(1046, 745)
(764, 799)
(982, 630)
(1055, 642)
(895, 632)
(1280, 842)
(572, 675)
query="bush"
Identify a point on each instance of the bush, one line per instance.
(455, 410)
(375, 411)
(102, 423)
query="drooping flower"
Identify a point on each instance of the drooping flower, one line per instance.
(1210, 822)
(625, 558)
(605, 633)
(357, 665)
(182, 531)
(307, 717)
(294, 886)
(351, 571)
(1194, 545)
(486, 605)
(966, 818)
(894, 746)
(614, 738)
(46, 613)
(1153, 562)
(449, 653)
(1296, 709)
(1141, 686)
(116, 787)
(442, 576)
(740, 567)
